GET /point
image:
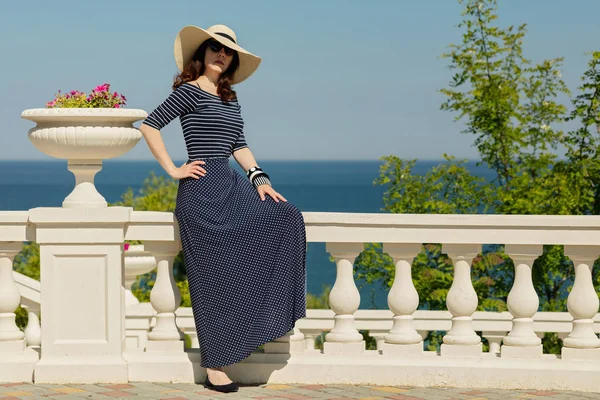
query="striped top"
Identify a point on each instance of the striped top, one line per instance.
(211, 127)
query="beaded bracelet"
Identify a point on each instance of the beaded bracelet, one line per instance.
(258, 177)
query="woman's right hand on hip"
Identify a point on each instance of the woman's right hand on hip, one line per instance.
(191, 170)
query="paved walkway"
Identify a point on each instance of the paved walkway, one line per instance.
(12, 391)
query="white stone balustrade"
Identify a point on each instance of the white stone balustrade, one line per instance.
(89, 337)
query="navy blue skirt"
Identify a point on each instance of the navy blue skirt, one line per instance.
(245, 262)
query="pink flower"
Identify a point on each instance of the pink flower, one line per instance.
(101, 96)
(102, 88)
(126, 246)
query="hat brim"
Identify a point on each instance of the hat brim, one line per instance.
(191, 37)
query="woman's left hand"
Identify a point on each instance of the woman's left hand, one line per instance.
(268, 190)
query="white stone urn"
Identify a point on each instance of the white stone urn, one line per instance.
(137, 262)
(84, 137)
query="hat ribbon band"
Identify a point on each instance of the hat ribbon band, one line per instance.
(225, 36)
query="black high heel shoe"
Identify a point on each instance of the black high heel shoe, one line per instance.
(230, 387)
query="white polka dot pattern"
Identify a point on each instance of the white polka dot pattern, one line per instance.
(245, 261)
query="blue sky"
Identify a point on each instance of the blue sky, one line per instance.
(340, 79)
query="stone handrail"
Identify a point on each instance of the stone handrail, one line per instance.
(452, 229)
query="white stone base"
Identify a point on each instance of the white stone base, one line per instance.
(13, 346)
(84, 369)
(284, 348)
(334, 348)
(402, 350)
(429, 370)
(529, 352)
(169, 346)
(568, 353)
(18, 366)
(159, 366)
(455, 350)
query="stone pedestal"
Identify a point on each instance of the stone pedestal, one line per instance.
(82, 295)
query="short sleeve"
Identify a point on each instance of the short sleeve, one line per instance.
(181, 101)
(240, 143)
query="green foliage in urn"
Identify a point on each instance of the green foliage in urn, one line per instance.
(100, 97)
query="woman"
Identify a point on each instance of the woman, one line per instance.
(244, 245)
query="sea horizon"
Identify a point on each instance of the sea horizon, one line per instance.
(311, 185)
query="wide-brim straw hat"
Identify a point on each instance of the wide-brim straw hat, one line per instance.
(191, 37)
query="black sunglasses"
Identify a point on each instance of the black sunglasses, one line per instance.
(217, 46)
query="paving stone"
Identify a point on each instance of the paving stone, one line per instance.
(406, 396)
(88, 388)
(91, 395)
(585, 395)
(301, 391)
(178, 391)
(151, 387)
(4, 390)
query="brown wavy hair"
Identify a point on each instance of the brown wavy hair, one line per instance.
(195, 68)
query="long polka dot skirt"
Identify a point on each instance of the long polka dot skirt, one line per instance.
(245, 261)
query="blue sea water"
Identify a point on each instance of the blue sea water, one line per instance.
(325, 186)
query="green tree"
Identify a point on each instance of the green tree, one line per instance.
(512, 109)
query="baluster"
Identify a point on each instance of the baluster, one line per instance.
(403, 300)
(523, 303)
(11, 337)
(344, 300)
(16, 361)
(33, 330)
(165, 299)
(494, 339)
(379, 337)
(310, 336)
(462, 340)
(582, 303)
(137, 261)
